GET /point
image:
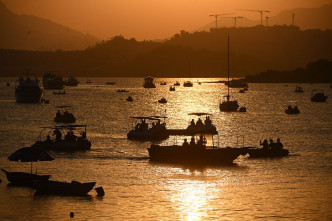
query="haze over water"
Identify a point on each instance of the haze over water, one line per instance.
(293, 188)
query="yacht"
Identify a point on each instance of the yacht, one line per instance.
(148, 83)
(52, 81)
(28, 90)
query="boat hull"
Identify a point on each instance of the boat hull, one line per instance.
(28, 95)
(65, 119)
(147, 135)
(63, 188)
(24, 179)
(269, 153)
(194, 155)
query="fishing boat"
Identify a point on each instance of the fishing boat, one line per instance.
(298, 89)
(162, 100)
(149, 128)
(318, 96)
(24, 179)
(269, 150)
(171, 88)
(73, 188)
(70, 143)
(148, 82)
(195, 152)
(63, 115)
(52, 81)
(176, 83)
(228, 105)
(71, 82)
(28, 90)
(163, 83)
(292, 108)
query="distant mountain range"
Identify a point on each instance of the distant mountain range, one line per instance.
(305, 18)
(26, 32)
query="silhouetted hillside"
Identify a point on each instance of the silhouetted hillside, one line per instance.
(26, 32)
(316, 72)
(201, 54)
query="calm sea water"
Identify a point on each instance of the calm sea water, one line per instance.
(297, 187)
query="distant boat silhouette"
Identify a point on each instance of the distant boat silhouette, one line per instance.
(148, 83)
(28, 90)
(298, 89)
(52, 81)
(319, 96)
(228, 105)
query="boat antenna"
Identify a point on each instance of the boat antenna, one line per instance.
(228, 67)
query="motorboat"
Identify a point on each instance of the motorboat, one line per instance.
(24, 179)
(195, 152)
(298, 89)
(129, 99)
(70, 143)
(176, 83)
(122, 90)
(292, 108)
(269, 150)
(59, 92)
(73, 188)
(162, 100)
(63, 115)
(148, 82)
(187, 84)
(71, 82)
(28, 90)
(52, 81)
(149, 128)
(163, 83)
(228, 105)
(318, 96)
(171, 88)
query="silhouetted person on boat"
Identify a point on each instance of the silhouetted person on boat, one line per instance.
(200, 142)
(48, 139)
(265, 144)
(192, 123)
(199, 122)
(192, 142)
(58, 134)
(83, 134)
(272, 144)
(68, 136)
(185, 143)
(279, 145)
(207, 121)
(58, 114)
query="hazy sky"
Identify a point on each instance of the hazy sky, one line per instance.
(146, 19)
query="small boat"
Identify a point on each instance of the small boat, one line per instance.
(148, 83)
(52, 81)
(150, 128)
(110, 83)
(241, 91)
(292, 108)
(63, 115)
(187, 84)
(269, 150)
(163, 83)
(24, 179)
(242, 109)
(318, 96)
(171, 88)
(237, 83)
(70, 143)
(130, 99)
(298, 89)
(176, 84)
(73, 188)
(28, 90)
(121, 90)
(71, 82)
(162, 100)
(59, 92)
(196, 153)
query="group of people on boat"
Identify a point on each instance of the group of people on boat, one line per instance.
(69, 137)
(143, 126)
(207, 122)
(200, 143)
(272, 145)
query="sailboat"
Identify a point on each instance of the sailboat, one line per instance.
(228, 105)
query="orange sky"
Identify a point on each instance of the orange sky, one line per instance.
(145, 19)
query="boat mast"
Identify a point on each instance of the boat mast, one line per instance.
(228, 67)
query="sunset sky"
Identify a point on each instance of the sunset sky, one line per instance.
(146, 19)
